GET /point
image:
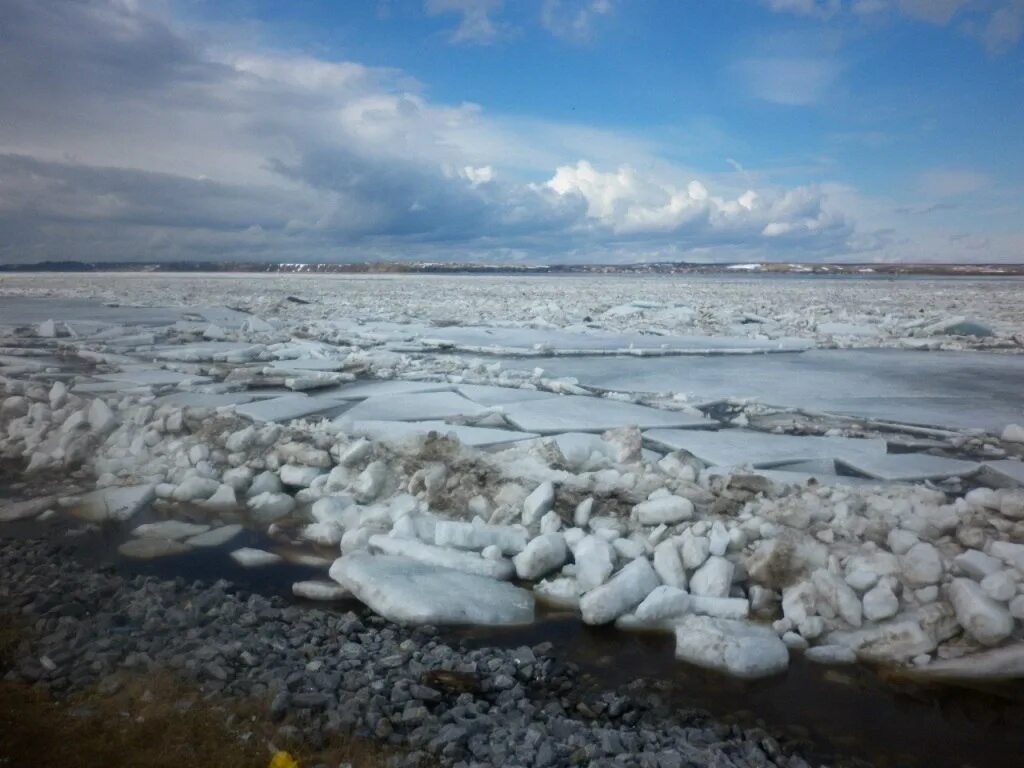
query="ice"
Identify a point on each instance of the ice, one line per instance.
(595, 560)
(983, 618)
(267, 507)
(116, 503)
(667, 509)
(742, 447)
(997, 664)
(537, 504)
(713, 578)
(579, 447)
(420, 406)
(909, 467)
(664, 602)
(735, 648)
(623, 592)
(532, 342)
(170, 529)
(152, 377)
(285, 408)
(443, 557)
(578, 413)
(215, 537)
(247, 557)
(491, 396)
(12, 511)
(541, 556)
(203, 400)
(952, 389)
(363, 390)
(477, 437)
(209, 351)
(326, 591)
(452, 533)
(1009, 472)
(404, 590)
(309, 364)
(149, 548)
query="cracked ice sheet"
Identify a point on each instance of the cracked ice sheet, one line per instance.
(1007, 470)
(478, 437)
(286, 408)
(488, 396)
(420, 406)
(741, 447)
(958, 390)
(787, 477)
(308, 364)
(361, 390)
(206, 351)
(152, 377)
(532, 342)
(579, 413)
(909, 467)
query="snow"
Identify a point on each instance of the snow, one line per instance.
(412, 592)
(736, 648)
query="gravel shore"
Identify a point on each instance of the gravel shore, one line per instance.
(323, 672)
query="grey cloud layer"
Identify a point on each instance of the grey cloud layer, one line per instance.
(126, 137)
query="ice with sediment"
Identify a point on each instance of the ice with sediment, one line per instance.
(408, 591)
(115, 503)
(579, 413)
(737, 648)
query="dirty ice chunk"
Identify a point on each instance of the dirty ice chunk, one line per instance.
(320, 590)
(735, 648)
(115, 503)
(146, 548)
(408, 591)
(23, 510)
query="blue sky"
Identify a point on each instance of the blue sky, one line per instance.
(526, 130)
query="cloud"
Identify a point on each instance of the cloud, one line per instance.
(476, 24)
(134, 139)
(573, 19)
(997, 24)
(945, 182)
(629, 203)
(790, 80)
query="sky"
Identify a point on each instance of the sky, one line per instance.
(512, 131)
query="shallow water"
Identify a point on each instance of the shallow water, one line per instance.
(849, 711)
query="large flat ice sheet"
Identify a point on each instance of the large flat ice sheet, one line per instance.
(419, 406)
(579, 413)
(479, 437)
(741, 447)
(485, 395)
(1008, 471)
(958, 390)
(361, 390)
(152, 377)
(909, 467)
(533, 341)
(285, 408)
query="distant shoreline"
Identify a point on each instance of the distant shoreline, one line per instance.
(455, 268)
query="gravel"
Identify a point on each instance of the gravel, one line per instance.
(322, 672)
